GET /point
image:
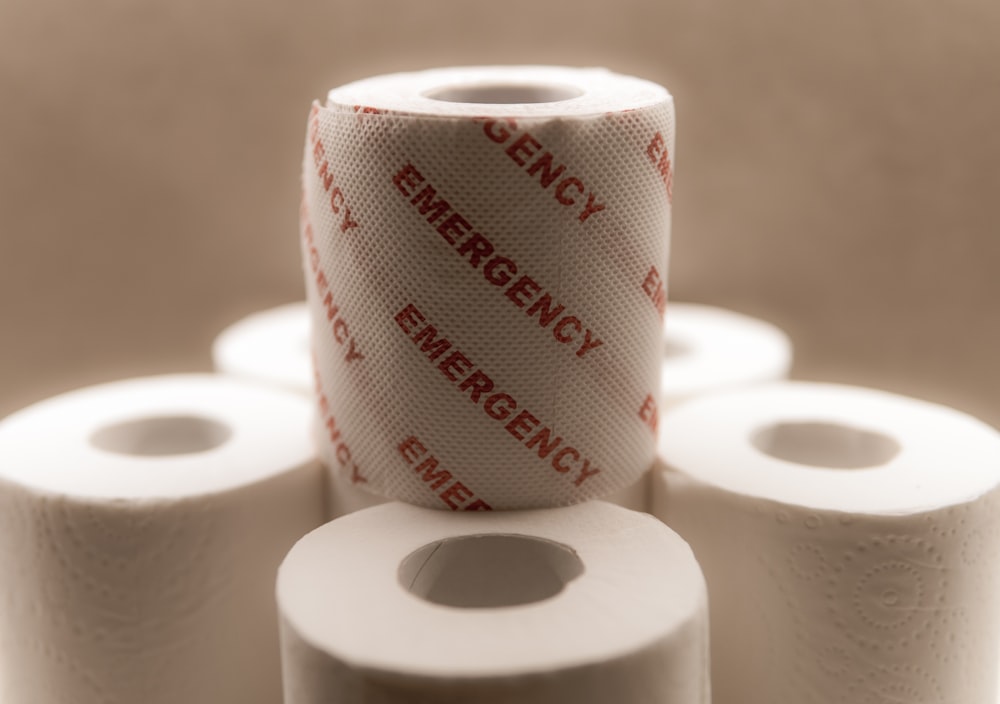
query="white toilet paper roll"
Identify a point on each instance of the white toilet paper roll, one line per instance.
(587, 604)
(485, 253)
(141, 526)
(710, 348)
(270, 346)
(849, 539)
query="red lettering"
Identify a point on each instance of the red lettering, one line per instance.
(560, 193)
(457, 491)
(655, 290)
(546, 313)
(331, 309)
(408, 317)
(522, 146)
(659, 156)
(557, 331)
(455, 362)
(426, 204)
(343, 455)
(432, 348)
(498, 135)
(592, 207)
(524, 285)
(436, 479)
(544, 164)
(502, 278)
(541, 438)
(340, 333)
(557, 463)
(324, 168)
(479, 383)
(520, 424)
(655, 147)
(454, 225)
(476, 247)
(406, 179)
(411, 448)
(503, 412)
(648, 412)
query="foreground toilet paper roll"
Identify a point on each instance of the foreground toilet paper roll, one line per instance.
(849, 538)
(270, 346)
(588, 604)
(485, 253)
(708, 349)
(141, 526)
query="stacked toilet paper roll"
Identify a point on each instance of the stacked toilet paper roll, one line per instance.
(485, 254)
(849, 539)
(707, 349)
(586, 604)
(270, 346)
(141, 525)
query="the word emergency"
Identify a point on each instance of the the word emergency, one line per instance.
(338, 326)
(523, 292)
(528, 153)
(520, 424)
(451, 491)
(336, 198)
(659, 156)
(341, 451)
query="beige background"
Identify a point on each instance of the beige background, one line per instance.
(838, 168)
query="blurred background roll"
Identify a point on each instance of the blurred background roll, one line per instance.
(708, 348)
(141, 525)
(849, 539)
(271, 346)
(588, 604)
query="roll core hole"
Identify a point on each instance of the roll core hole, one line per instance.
(489, 571)
(504, 94)
(161, 435)
(824, 444)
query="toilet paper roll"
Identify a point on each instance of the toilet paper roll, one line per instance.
(346, 497)
(270, 346)
(708, 348)
(485, 253)
(141, 526)
(849, 539)
(588, 604)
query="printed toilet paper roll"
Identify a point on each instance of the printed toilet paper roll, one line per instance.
(709, 348)
(849, 538)
(141, 526)
(271, 346)
(587, 604)
(485, 253)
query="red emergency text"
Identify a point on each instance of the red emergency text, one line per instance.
(539, 163)
(341, 451)
(338, 325)
(521, 424)
(335, 196)
(655, 290)
(439, 480)
(522, 291)
(659, 156)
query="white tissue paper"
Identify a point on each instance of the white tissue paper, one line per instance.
(270, 346)
(849, 539)
(141, 526)
(485, 253)
(708, 349)
(589, 604)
